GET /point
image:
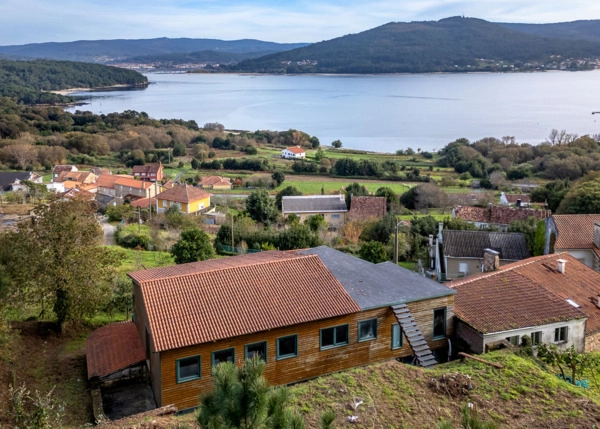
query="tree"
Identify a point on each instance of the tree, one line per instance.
(336, 144)
(193, 245)
(392, 200)
(285, 192)
(373, 251)
(316, 223)
(261, 207)
(57, 259)
(297, 237)
(354, 189)
(583, 198)
(319, 154)
(530, 229)
(241, 398)
(278, 177)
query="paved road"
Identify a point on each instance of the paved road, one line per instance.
(109, 231)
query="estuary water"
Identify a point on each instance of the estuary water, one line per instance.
(381, 113)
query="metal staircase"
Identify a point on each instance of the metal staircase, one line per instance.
(414, 336)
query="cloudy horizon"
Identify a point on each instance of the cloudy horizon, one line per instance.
(39, 21)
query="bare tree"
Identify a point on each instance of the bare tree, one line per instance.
(21, 153)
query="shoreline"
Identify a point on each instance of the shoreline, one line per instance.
(70, 91)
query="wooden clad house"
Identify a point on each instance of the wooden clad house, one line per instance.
(306, 313)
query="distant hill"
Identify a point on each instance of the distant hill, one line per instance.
(451, 44)
(202, 57)
(108, 50)
(575, 30)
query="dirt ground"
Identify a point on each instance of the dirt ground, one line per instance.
(392, 394)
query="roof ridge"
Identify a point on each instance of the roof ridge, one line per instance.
(251, 264)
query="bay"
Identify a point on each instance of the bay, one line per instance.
(381, 113)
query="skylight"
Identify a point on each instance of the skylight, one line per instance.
(573, 303)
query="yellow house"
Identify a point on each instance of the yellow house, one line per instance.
(187, 198)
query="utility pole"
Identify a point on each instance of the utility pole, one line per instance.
(396, 244)
(139, 220)
(232, 248)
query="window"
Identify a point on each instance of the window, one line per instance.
(188, 369)
(561, 334)
(367, 330)
(334, 337)
(396, 336)
(463, 267)
(258, 350)
(287, 347)
(226, 355)
(439, 323)
(335, 216)
(536, 338)
(514, 340)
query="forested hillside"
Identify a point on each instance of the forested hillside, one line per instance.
(108, 50)
(452, 44)
(576, 30)
(29, 81)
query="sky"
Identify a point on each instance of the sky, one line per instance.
(283, 21)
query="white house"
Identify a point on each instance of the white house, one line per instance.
(294, 152)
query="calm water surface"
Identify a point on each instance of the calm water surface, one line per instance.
(380, 113)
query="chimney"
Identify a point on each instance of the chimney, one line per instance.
(562, 265)
(491, 260)
(598, 301)
(490, 206)
(440, 227)
(430, 240)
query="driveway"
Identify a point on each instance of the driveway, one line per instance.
(109, 231)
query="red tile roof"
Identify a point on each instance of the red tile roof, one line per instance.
(143, 202)
(133, 183)
(108, 180)
(61, 167)
(215, 180)
(575, 231)
(112, 348)
(75, 176)
(183, 194)
(362, 208)
(499, 214)
(528, 293)
(296, 149)
(207, 301)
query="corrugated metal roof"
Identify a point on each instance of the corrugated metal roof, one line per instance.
(313, 204)
(471, 244)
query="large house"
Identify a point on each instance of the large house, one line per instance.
(461, 253)
(149, 173)
(306, 313)
(497, 216)
(332, 207)
(62, 168)
(187, 198)
(577, 234)
(12, 181)
(552, 299)
(519, 200)
(294, 152)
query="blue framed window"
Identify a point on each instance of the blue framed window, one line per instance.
(396, 336)
(439, 323)
(188, 368)
(287, 347)
(225, 355)
(367, 330)
(257, 350)
(335, 336)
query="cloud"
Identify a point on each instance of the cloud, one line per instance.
(279, 21)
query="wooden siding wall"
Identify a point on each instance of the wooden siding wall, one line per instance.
(311, 361)
(141, 322)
